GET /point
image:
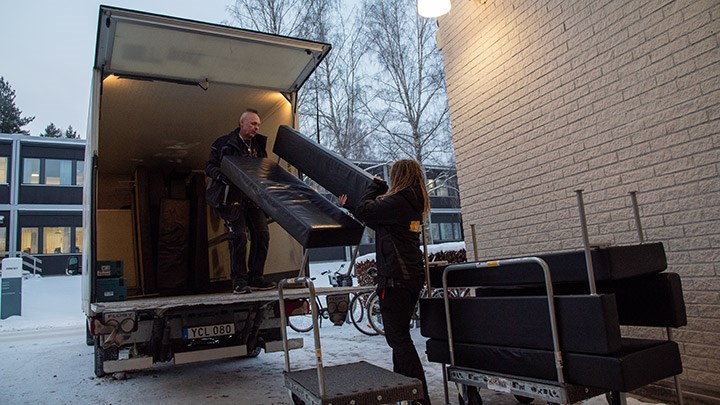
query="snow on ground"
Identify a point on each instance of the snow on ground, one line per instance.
(432, 249)
(44, 359)
(47, 302)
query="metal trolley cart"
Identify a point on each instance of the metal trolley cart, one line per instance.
(525, 389)
(348, 384)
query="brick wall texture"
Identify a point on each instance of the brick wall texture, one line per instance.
(547, 97)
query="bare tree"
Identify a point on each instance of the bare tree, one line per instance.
(410, 104)
(341, 87)
(283, 17)
(332, 101)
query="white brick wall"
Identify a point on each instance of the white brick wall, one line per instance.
(607, 96)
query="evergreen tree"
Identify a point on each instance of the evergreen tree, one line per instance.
(10, 116)
(71, 134)
(51, 131)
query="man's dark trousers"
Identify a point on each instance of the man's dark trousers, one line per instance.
(252, 221)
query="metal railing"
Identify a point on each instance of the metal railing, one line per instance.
(30, 263)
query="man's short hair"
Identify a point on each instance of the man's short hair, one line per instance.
(248, 110)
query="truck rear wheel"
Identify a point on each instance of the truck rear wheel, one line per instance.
(254, 352)
(101, 355)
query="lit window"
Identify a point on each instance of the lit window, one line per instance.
(29, 240)
(3, 169)
(56, 239)
(58, 172)
(78, 239)
(3, 238)
(31, 171)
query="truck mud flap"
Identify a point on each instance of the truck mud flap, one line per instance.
(136, 363)
(277, 346)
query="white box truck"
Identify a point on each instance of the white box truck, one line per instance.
(155, 282)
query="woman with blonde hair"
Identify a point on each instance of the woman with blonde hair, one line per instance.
(397, 216)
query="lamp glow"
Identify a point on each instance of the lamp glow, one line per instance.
(433, 8)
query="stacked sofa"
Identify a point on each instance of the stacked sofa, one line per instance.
(307, 216)
(506, 329)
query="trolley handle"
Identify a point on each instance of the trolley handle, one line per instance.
(550, 296)
(300, 281)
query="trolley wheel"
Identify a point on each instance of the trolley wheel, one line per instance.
(523, 399)
(296, 400)
(472, 396)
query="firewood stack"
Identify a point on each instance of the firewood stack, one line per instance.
(450, 256)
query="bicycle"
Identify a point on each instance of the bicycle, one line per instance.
(360, 315)
(375, 317)
(303, 322)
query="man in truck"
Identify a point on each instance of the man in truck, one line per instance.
(240, 214)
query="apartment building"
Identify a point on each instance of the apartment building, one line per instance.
(41, 200)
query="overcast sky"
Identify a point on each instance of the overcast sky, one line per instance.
(47, 49)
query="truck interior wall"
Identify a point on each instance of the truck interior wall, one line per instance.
(115, 242)
(114, 191)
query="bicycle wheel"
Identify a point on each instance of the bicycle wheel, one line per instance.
(358, 313)
(454, 292)
(303, 323)
(373, 313)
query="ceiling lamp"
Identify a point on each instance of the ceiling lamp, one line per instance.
(433, 8)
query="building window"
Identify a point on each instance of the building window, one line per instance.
(54, 172)
(79, 172)
(446, 231)
(3, 170)
(31, 171)
(56, 239)
(58, 172)
(78, 239)
(3, 238)
(29, 240)
(368, 237)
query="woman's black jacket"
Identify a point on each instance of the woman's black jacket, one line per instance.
(397, 221)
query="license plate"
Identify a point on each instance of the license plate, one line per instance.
(198, 332)
(498, 384)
